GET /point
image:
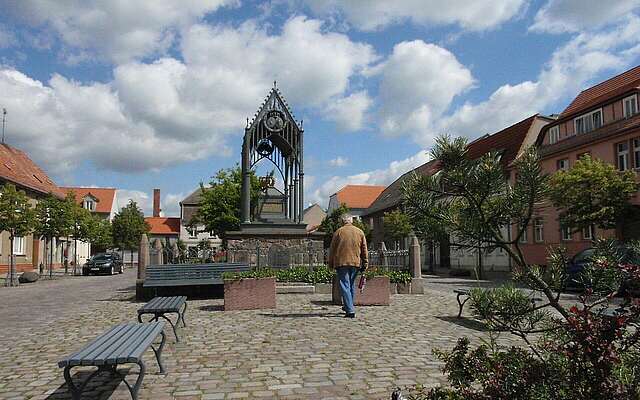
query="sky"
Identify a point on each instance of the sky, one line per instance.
(150, 94)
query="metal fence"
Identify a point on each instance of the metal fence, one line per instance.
(394, 259)
(277, 257)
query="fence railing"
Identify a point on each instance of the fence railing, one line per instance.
(395, 259)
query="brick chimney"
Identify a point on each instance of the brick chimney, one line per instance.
(156, 202)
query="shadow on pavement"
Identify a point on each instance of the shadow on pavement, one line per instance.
(466, 323)
(304, 315)
(101, 386)
(212, 307)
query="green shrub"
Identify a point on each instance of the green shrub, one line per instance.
(254, 273)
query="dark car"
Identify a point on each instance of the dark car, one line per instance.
(578, 263)
(103, 263)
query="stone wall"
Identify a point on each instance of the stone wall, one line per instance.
(277, 253)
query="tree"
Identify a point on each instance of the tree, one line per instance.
(204, 249)
(334, 220)
(18, 219)
(100, 234)
(592, 193)
(128, 226)
(81, 225)
(397, 225)
(220, 205)
(52, 222)
(572, 352)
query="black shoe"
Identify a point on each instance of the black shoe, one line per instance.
(350, 315)
(344, 308)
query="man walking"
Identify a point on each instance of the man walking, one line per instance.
(348, 254)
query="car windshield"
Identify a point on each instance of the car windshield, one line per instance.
(101, 257)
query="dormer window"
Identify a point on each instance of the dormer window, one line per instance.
(630, 105)
(89, 204)
(588, 122)
(554, 134)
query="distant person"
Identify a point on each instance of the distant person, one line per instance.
(348, 254)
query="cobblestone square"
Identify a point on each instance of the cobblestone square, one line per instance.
(303, 349)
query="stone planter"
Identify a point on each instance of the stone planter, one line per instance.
(249, 294)
(393, 288)
(376, 292)
(404, 288)
(323, 288)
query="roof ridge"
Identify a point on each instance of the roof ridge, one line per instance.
(610, 79)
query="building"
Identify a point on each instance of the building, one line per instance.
(603, 122)
(17, 168)
(191, 230)
(101, 202)
(356, 197)
(313, 216)
(510, 143)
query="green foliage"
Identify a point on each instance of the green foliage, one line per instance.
(471, 200)
(395, 276)
(128, 226)
(397, 225)
(53, 217)
(16, 213)
(100, 234)
(592, 193)
(300, 273)
(220, 206)
(80, 219)
(333, 221)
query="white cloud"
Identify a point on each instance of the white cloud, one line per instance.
(117, 30)
(339, 162)
(349, 112)
(170, 204)
(142, 199)
(153, 115)
(7, 38)
(558, 16)
(571, 67)
(384, 176)
(419, 81)
(375, 14)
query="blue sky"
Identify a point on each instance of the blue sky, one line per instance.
(155, 93)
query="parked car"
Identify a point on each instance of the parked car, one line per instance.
(578, 263)
(103, 263)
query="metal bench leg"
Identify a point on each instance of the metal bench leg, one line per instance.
(158, 351)
(461, 303)
(184, 324)
(173, 326)
(76, 391)
(136, 386)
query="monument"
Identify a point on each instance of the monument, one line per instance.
(272, 232)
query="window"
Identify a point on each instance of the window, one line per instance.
(622, 155)
(523, 238)
(630, 106)
(563, 165)
(18, 245)
(554, 134)
(538, 230)
(636, 153)
(588, 233)
(588, 122)
(89, 204)
(566, 233)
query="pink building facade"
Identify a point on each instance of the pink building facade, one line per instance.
(603, 122)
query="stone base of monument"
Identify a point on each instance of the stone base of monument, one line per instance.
(417, 286)
(377, 292)
(249, 294)
(404, 288)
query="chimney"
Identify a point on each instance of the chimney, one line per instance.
(156, 202)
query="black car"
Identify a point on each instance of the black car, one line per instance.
(103, 263)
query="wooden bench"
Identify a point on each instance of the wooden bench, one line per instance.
(466, 293)
(122, 344)
(160, 306)
(189, 274)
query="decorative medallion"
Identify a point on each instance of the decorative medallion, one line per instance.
(267, 182)
(274, 121)
(265, 148)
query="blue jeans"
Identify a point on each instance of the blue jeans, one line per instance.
(347, 282)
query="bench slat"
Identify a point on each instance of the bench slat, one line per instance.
(164, 304)
(76, 357)
(106, 352)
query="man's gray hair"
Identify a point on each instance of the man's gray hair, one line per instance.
(347, 219)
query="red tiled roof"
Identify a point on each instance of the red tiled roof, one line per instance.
(358, 196)
(603, 91)
(163, 225)
(508, 140)
(104, 196)
(19, 169)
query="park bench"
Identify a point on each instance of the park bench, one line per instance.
(466, 294)
(122, 344)
(160, 306)
(189, 274)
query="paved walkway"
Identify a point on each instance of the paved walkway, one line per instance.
(302, 349)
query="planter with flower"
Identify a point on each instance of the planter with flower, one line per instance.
(255, 289)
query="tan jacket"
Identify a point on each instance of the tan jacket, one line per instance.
(348, 248)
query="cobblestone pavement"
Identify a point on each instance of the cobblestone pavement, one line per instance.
(304, 349)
